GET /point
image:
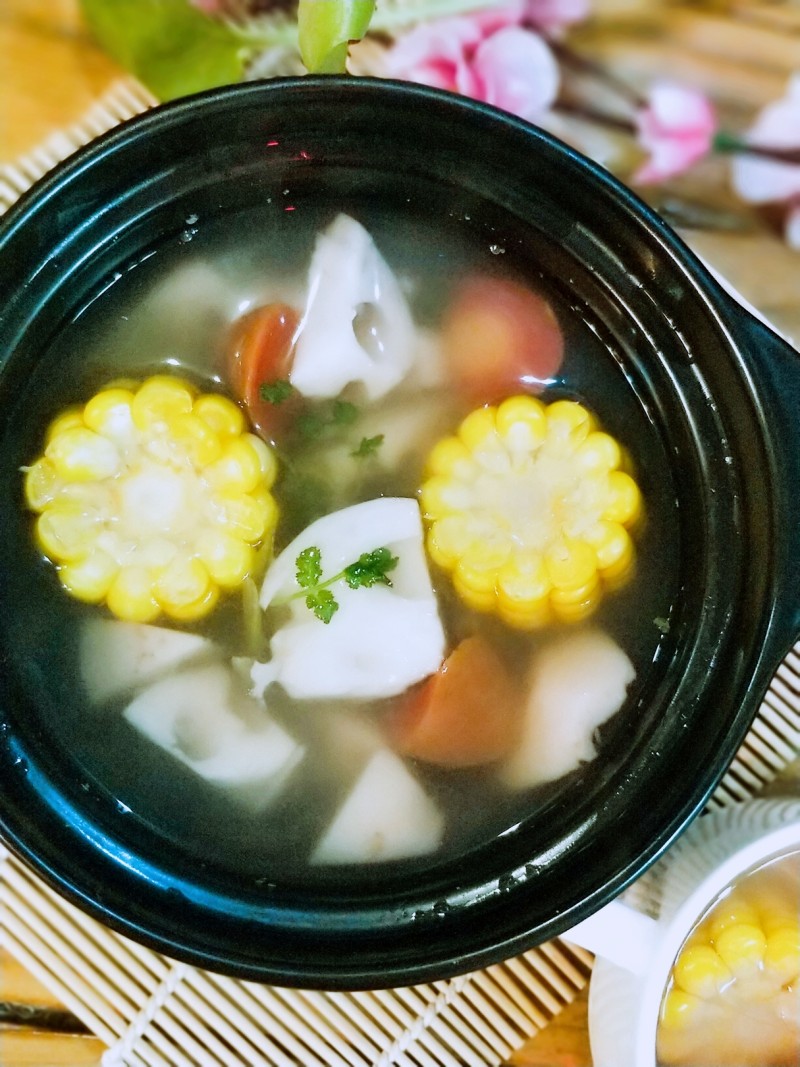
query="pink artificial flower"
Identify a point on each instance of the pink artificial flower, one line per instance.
(487, 56)
(764, 181)
(515, 70)
(209, 7)
(677, 128)
(554, 15)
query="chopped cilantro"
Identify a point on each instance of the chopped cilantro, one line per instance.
(314, 423)
(368, 446)
(276, 392)
(371, 568)
(311, 425)
(323, 603)
(343, 413)
(309, 567)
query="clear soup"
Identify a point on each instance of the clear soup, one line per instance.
(544, 703)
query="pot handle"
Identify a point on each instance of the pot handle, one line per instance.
(619, 934)
(775, 367)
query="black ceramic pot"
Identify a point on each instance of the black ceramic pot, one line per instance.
(720, 390)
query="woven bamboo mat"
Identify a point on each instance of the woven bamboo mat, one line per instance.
(154, 1012)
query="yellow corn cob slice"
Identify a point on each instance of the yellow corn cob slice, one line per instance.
(528, 509)
(151, 498)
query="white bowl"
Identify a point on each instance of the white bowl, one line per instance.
(636, 953)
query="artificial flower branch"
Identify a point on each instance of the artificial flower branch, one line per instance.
(721, 141)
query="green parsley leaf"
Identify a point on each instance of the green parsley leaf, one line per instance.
(315, 423)
(368, 446)
(323, 604)
(311, 425)
(370, 569)
(309, 568)
(276, 392)
(343, 413)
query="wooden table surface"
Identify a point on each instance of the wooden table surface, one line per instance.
(50, 75)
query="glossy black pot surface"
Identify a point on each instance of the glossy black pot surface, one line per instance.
(720, 389)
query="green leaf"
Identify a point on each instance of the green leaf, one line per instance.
(323, 604)
(368, 446)
(168, 44)
(276, 392)
(311, 425)
(309, 567)
(370, 569)
(344, 413)
(325, 28)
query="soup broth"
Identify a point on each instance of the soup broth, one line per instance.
(733, 997)
(175, 313)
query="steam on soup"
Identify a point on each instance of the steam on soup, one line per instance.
(337, 542)
(733, 998)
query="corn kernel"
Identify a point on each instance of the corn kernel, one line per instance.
(742, 947)
(81, 455)
(478, 428)
(65, 532)
(782, 952)
(131, 598)
(679, 1008)
(578, 599)
(89, 579)
(198, 609)
(612, 546)
(159, 400)
(267, 460)
(570, 564)
(221, 414)
(700, 970)
(183, 582)
(523, 590)
(730, 911)
(475, 586)
(201, 442)
(238, 470)
(70, 419)
(109, 413)
(599, 453)
(450, 458)
(568, 419)
(448, 540)
(525, 616)
(41, 484)
(229, 559)
(440, 497)
(576, 605)
(524, 577)
(247, 517)
(624, 499)
(522, 423)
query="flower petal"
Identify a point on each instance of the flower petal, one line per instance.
(676, 127)
(555, 14)
(761, 181)
(516, 71)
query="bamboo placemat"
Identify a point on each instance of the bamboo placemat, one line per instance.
(155, 1012)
